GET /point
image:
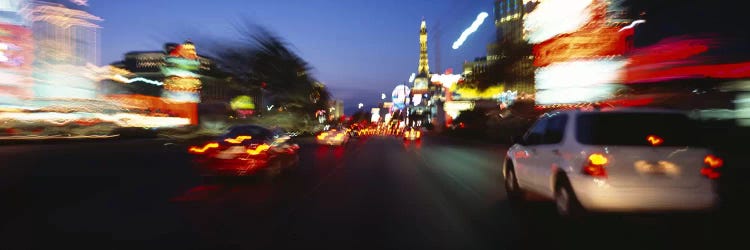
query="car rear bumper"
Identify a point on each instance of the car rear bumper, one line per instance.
(216, 167)
(597, 196)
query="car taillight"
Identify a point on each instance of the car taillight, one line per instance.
(203, 149)
(712, 164)
(595, 165)
(238, 139)
(259, 149)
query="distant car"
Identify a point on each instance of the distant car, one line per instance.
(622, 160)
(246, 150)
(333, 137)
(412, 134)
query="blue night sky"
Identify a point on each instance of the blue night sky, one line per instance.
(358, 48)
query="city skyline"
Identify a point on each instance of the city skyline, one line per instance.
(357, 57)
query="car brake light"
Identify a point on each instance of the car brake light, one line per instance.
(595, 165)
(203, 149)
(258, 150)
(712, 165)
(654, 140)
(238, 139)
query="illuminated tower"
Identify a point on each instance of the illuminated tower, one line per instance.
(420, 106)
(421, 82)
(424, 67)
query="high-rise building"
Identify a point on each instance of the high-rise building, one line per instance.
(336, 109)
(509, 18)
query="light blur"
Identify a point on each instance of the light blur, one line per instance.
(516, 124)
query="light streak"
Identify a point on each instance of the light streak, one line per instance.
(119, 119)
(578, 81)
(261, 148)
(556, 17)
(473, 28)
(654, 140)
(238, 139)
(580, 73)
(204, 148)
(633, 24)
(121, 78)
(50, 137)
(412, 77)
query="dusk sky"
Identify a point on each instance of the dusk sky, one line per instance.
(358, 48)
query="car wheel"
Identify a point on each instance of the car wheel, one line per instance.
(515, 194)
(566, 202)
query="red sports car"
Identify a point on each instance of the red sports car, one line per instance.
(246, 150)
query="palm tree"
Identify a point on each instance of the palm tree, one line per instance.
(263, 60)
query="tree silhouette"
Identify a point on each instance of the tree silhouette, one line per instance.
(263, 60)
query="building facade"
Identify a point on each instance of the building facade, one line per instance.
(146, 73)
(66, 40)
(336, 109)
(509, 18)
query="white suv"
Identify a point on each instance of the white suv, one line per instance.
(621, 160)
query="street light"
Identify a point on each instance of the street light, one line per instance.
(361, 105)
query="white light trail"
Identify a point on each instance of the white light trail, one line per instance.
(412, 77)
(473, 28)
(119, 119)
(582, 73)
(633, 24)
(126, 80)
(578, 81)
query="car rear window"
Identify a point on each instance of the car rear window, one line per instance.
(634, 129)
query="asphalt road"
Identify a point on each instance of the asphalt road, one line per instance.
(375, 193)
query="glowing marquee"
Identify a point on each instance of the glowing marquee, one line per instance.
(604, 41)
